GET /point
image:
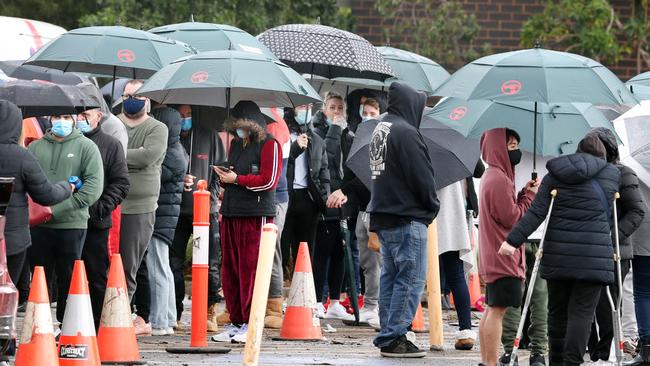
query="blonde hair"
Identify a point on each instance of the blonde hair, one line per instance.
(333, 95)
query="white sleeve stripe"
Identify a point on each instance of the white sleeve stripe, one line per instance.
(268, 185)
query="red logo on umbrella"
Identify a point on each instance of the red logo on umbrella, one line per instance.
(126, 55)
(511, 87)
(458, 113)
(199, 77)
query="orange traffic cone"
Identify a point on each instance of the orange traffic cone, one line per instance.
(301, 319)
(37, 345)
(418, 325)
(78, 343)
(116, 338)
(475, 295)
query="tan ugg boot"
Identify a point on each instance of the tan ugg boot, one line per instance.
(224, 318)
(212, 319)
(273, 319)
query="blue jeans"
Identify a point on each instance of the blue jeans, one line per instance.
(404, 254)
(641, 280)
(161, 280)
(452, 273)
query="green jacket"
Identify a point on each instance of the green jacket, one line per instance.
(75, 155)
(144, 156)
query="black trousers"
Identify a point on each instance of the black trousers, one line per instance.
(328, 260)
(57, 249)
(95, 257)
(571, 307)
(15, 265)
(602, 335)
(299, 226)
(177, 260)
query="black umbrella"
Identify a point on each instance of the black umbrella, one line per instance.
(38, 98)
(325, 51)
(453, 156)
(16, 69)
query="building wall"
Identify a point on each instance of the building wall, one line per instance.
(501, 22)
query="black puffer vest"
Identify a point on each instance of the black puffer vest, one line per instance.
(239, 201)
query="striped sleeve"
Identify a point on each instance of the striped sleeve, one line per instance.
(270, 169)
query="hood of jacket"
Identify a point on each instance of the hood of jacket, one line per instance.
(11, 123)
(353, 102)
(607, 137)
(495, 152)
(575, 168)
(407, 103)
(172, 119)
(96, 95)
(246, 109)
(319, 120)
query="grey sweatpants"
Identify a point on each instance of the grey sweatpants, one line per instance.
(275, 291)
(370, 262)
(135, 235)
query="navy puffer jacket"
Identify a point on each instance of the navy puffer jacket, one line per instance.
(174, 168)
(578, 243)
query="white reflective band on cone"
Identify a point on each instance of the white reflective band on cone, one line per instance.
(78, 318)
(200, 244)
(302, 293)
(38, 320)
(117, 311)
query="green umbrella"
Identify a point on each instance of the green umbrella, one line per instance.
(110, 51)
(223, 78)
(640, 85)
(213, 37)
(540, 76)
(421, 73)
(641, 79)
(563, 125)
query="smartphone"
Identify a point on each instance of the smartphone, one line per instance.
(224, 168)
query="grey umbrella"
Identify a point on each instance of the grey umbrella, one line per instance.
(325, 51)
(37, 98)
(16, 69)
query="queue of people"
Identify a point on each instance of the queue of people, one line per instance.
(289, 168)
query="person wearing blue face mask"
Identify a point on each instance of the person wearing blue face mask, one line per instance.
(63, 152)
(115, 188)
(307, 182)
(145, 153)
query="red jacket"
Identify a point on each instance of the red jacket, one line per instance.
(499, 210)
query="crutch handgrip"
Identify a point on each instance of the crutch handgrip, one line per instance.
(554, 193)
(617, 195)
(540, 254)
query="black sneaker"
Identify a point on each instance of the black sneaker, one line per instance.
(537, 360)
(504, 360)
(402, 348)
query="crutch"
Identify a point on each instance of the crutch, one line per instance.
(531, 285)
(616, 305)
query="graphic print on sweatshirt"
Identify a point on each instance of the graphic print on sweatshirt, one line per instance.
(378, 148)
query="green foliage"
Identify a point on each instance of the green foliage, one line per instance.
(637, 33)
(440, 30)
(586, 27)
(253, 16)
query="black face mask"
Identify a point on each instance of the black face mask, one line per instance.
(514, 156)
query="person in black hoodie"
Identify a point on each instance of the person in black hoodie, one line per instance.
(116, 186)
(631, 211)
(308, 180)
(403, 202)
(578, 252)
(161, 279)
(18, 163)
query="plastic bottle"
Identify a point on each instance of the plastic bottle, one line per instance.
(76, 181)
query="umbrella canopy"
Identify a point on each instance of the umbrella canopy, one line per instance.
(641, 79)
(37, 98)
(561, 126)
(640, 86)
(110, 51)
(325, 51)
(223, 78)
(453, 156)
(21, 38)
(213, 37)
(537, 75)
(421, 73)
(16, 69)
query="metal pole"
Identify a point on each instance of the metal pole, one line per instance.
(534, 174)
(113, 88)
(616, 305)
(531, 285)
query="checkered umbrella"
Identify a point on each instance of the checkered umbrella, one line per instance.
(325, 51)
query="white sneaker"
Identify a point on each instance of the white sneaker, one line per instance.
(240, 336)
(410, 336)
(159, 331)
(368, 315)
(170, 330)
(337, 311)
(229, 331)
(320, 310)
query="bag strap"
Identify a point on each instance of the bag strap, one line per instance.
(601, 197)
